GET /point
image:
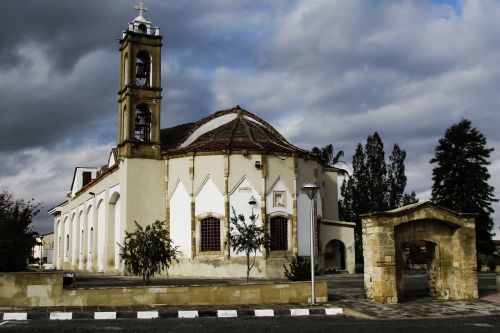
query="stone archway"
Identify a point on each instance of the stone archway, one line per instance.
(453, 267)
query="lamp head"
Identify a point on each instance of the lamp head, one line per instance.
(310, 189)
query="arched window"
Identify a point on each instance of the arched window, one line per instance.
(210, 234)
(143, 69)
(142, 118)
(278, 228)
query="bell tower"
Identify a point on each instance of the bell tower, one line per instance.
(140, 89)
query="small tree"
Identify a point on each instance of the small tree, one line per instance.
(17, 236)
(147, 251)
(247, 237)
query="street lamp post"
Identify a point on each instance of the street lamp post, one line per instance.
(311, 189)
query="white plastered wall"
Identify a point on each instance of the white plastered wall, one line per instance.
(180, 219)
(306, 173)
(116, 232)
(279, 186)
(74, 236)
(330, 198)
(101, 229)
(239, 200)
(209, 199)
(142, 187)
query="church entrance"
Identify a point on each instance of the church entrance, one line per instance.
(443, 240)
(334, 255)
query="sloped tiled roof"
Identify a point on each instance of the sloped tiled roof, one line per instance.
(245, 132)
(173, 136)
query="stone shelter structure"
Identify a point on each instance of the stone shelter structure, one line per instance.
(191, 176)
(452, 271)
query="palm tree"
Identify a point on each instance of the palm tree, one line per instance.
(327, 157)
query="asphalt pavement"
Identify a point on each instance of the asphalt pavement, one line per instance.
(268, 325)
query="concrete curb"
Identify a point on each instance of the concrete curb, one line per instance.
(155, 314)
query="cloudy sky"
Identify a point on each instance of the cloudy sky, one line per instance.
(320, 71)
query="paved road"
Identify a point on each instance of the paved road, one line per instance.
(268, 325)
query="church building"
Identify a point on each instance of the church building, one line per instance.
(191, 176)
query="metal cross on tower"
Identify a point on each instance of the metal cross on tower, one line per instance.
(141, 8)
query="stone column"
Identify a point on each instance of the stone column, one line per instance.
(380, 262)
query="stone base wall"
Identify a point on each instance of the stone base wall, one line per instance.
(45, 289)
(220, 267)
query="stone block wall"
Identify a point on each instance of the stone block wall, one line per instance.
(45, 289)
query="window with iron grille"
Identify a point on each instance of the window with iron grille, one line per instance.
(210, 234)
(279, 233)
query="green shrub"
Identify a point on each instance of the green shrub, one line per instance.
(300, 269)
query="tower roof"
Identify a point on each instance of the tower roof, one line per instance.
(140, 24)
(228, 130)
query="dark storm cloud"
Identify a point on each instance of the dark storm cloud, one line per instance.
(320, 71)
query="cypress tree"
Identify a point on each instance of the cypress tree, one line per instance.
(373, 187)
(355, 197)
(376, 173)
(461, 178)
(396, 178)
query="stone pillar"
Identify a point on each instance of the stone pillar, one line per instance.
(380, 262)
(464, 283)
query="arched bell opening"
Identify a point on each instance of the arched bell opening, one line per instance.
(143, 69)
(142, 120)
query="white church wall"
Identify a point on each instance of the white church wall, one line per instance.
(212, 165)
(81, 235)
(281, 167)
(209, 199)
(303, 225)
(279, 198)
(319, 204)
(101, 229)
(65, 241)
(115, 228)
(57, 241)
(178, 170)
(331, 199)
(244, 165)
(180, 219)
(144, 192)
(238, 199)
(308, 171)
(74, 235)
(76, 209)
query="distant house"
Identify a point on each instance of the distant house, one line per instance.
(44, 250)
(497, 246)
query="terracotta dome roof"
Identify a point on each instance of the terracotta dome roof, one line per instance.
(229, 130)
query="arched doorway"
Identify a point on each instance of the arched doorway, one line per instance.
(416, 264)
(452, 265)
(334, 255)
